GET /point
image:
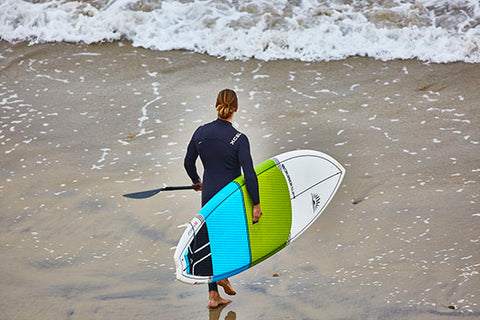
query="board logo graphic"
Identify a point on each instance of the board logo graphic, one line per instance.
(292, 189)
(316, 200)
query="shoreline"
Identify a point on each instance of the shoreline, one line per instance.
(128, 43)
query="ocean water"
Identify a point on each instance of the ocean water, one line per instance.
(310, 30)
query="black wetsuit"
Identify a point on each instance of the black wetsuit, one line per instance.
(224, 151)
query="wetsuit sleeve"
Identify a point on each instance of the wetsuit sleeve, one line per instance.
(249, 173)
(190, 159)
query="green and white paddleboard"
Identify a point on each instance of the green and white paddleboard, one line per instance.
(221, 241)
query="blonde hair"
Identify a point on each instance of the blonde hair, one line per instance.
(226, 103)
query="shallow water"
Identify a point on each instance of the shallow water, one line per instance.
(81, 125)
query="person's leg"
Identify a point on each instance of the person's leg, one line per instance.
(214, 297)
(225, 283)
(212, 286)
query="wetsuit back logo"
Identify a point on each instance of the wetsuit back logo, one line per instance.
(235, 138)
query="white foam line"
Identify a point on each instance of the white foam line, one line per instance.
(326, 91)
(257, 69)
(51, 78)
(86, 54)
(144, 116)
(301, 93)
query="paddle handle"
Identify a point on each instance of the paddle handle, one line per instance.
(179, 188)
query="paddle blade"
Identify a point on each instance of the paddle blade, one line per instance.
(142, 194)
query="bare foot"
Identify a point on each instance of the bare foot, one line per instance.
(227, 287)
(215, 300)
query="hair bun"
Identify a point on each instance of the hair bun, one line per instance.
(226, 103)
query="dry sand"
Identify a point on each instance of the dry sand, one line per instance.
(81, 125)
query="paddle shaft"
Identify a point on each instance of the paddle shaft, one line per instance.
(151, 193)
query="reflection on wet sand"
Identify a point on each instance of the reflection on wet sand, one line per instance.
(214, 314)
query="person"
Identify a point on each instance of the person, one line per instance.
(223, 151)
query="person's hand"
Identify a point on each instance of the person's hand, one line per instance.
(257, 213)
(199, 185)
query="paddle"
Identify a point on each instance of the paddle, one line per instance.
(151, 193)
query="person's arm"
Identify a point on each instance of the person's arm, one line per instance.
(189, 164)
(250, 177)
(256, 213)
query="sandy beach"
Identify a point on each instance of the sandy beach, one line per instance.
(80, 125)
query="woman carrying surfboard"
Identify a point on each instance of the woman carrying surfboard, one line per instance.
(224, 152)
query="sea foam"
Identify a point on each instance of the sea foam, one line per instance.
(309, 30)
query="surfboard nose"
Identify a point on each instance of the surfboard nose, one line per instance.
(304, 169)
(313, 178)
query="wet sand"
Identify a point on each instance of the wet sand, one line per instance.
(81, 125)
